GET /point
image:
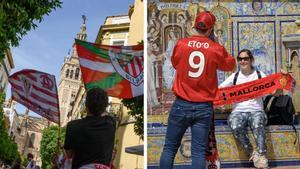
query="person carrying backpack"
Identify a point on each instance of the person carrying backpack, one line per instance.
(250, 112)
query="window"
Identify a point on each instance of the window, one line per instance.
(31, 140)
(119, 20)
(67, 72)
(69, 114)
(77, 73)
(118, 43)
(71, 74)
(73, 95)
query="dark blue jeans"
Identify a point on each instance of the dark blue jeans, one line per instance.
(186, 114)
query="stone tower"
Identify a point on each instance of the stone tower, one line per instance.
(70, 79)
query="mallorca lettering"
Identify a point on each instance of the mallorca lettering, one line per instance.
(252, 89)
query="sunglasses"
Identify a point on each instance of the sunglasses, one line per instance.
(244, 58)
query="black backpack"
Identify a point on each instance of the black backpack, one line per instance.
(280, 110)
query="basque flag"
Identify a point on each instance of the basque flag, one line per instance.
(119, 70)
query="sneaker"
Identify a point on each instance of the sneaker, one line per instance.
(261, 162)
(254, 156)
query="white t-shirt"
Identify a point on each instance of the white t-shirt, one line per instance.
(251, 105)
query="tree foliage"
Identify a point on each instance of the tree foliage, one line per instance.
(19, 17)
(8, 148)
(49, 145)
(136, 110)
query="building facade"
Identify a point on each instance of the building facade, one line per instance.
(126, 138)
(31, 135)
(114, 31)
(9, 108)
(136, 29)
(6, 65)
(25, 130)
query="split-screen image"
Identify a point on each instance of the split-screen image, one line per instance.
(149, 84)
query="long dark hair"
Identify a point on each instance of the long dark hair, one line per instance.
(249, 53)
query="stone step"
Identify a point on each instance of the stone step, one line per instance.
(281, 146)
(281, 167)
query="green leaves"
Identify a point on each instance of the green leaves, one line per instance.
(136, 110)
(8, 148)
(49, 145)
(19, 17)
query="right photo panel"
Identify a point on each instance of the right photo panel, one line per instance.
(223, 84)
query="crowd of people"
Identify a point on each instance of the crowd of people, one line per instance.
(17, 164)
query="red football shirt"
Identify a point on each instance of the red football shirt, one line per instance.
(196, 60)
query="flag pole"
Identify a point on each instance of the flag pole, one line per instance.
(59, 122)
(59, 130)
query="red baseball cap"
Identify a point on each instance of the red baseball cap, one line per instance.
(205, 20)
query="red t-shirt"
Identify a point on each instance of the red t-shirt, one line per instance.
(196, 60)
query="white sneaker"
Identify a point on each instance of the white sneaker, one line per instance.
(254, 156)
(259, 161)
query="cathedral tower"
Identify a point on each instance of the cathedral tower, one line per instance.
(70, 79)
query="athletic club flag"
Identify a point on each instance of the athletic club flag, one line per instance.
(119, 70)
(37, 91)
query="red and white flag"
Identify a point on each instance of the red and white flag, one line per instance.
(37, 91)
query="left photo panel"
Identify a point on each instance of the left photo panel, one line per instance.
(72, 84)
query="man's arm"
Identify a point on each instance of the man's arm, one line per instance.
(228, 81)
(175, 56)
(226, 62)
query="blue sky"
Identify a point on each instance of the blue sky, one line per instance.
(45, 47)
